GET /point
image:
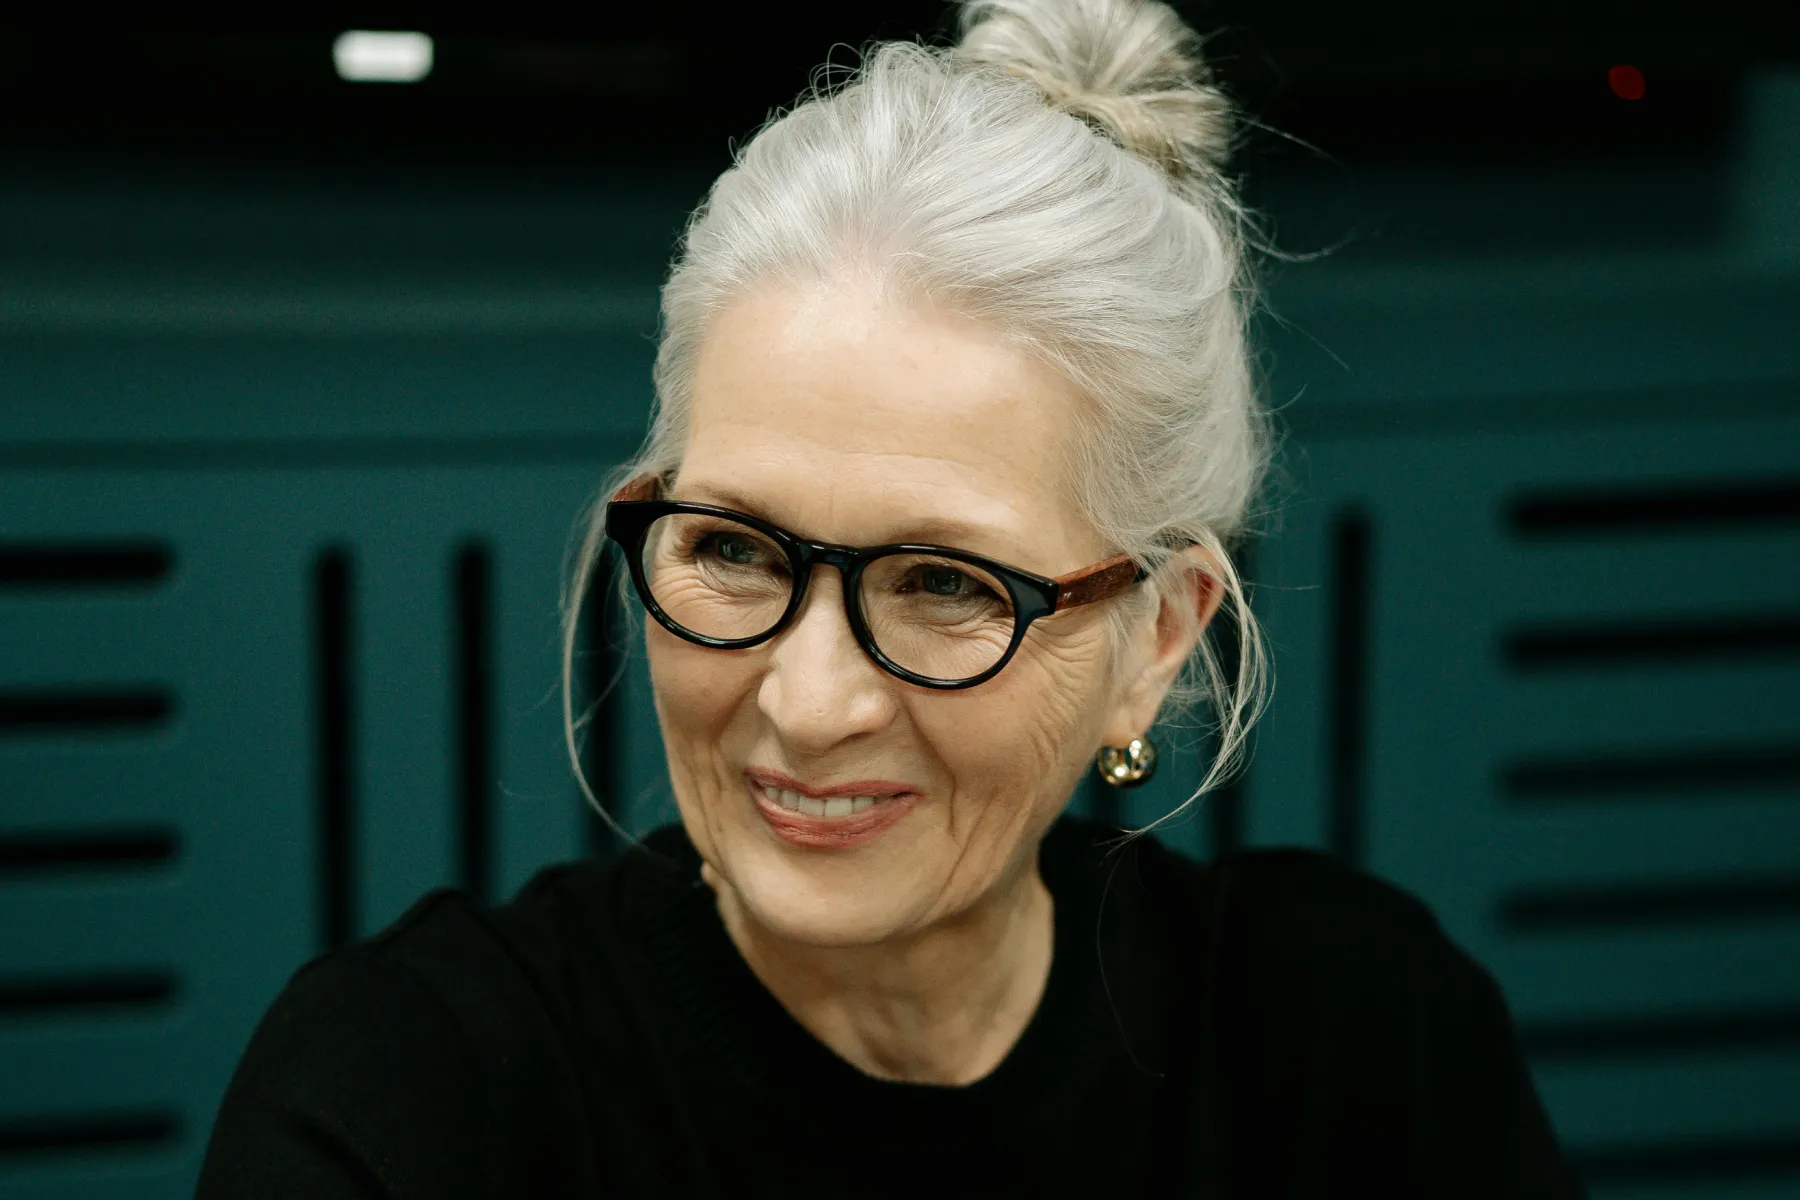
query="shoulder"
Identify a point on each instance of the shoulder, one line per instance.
(1346, 1016)
(1263, 922)
(357, 1076)
(562, 958)
(452, 956)
(1290, 916)
(1302, 949)
(430, 1057)
(384, 995)
(507, 954)
(527, 983)
(1318, 902)
(353, 1002)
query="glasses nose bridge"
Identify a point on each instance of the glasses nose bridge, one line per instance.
(846, 559)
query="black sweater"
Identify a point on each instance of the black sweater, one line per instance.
(1273, 1024)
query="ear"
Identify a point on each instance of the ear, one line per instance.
(1159, 649)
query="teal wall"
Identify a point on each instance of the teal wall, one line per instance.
(287, 467)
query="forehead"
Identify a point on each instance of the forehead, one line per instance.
(852, 417)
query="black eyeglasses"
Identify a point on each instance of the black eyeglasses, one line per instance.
(931, 615)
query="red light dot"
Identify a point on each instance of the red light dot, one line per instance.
(1627, 82)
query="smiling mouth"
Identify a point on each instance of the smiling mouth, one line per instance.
(814, 806)
(827, 822)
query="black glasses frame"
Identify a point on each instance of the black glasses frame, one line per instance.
(628, 522)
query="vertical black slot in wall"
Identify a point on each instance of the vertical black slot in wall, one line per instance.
(600, 676)
(1225, 814)
(1225, 807)
(1349, 682)
(333, 719)
(474, 632)
(1103, 801)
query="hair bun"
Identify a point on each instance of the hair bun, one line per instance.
(1130, 68)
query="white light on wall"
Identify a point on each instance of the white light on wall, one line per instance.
(365, 56)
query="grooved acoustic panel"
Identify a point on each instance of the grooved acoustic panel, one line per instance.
(1550, 682)
(246, 714)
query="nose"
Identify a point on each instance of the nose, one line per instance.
(821, 689)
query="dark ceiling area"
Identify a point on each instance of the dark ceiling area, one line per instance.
(1479, 79)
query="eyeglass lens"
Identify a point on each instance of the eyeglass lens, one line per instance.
(939, 618)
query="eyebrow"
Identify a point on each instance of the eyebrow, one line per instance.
(940, 531)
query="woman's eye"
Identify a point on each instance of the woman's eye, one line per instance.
(942, 581)
(946, 582)
(733, 548)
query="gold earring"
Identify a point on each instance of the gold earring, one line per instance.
(1128, 767)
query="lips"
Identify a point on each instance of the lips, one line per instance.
(838, 819)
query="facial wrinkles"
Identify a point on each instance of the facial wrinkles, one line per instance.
(919, 438)
(870, 498)
(1047, 681)
(861, 440)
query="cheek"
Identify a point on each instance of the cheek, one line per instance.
(1063, 686)
(1017, 745)
(698, 692)
(699, 685)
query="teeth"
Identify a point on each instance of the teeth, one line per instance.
(836, 806)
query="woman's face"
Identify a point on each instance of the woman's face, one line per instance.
(849, 419)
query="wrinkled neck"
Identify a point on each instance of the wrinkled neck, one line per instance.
(943, 1005)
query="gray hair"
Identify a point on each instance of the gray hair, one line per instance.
(1057, 175)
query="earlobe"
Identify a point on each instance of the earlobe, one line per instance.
(1174, 640)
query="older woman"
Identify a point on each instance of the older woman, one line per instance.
(955, 423)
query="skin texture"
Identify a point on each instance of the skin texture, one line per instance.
(854, 418)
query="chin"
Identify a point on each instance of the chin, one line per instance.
(814, 898)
